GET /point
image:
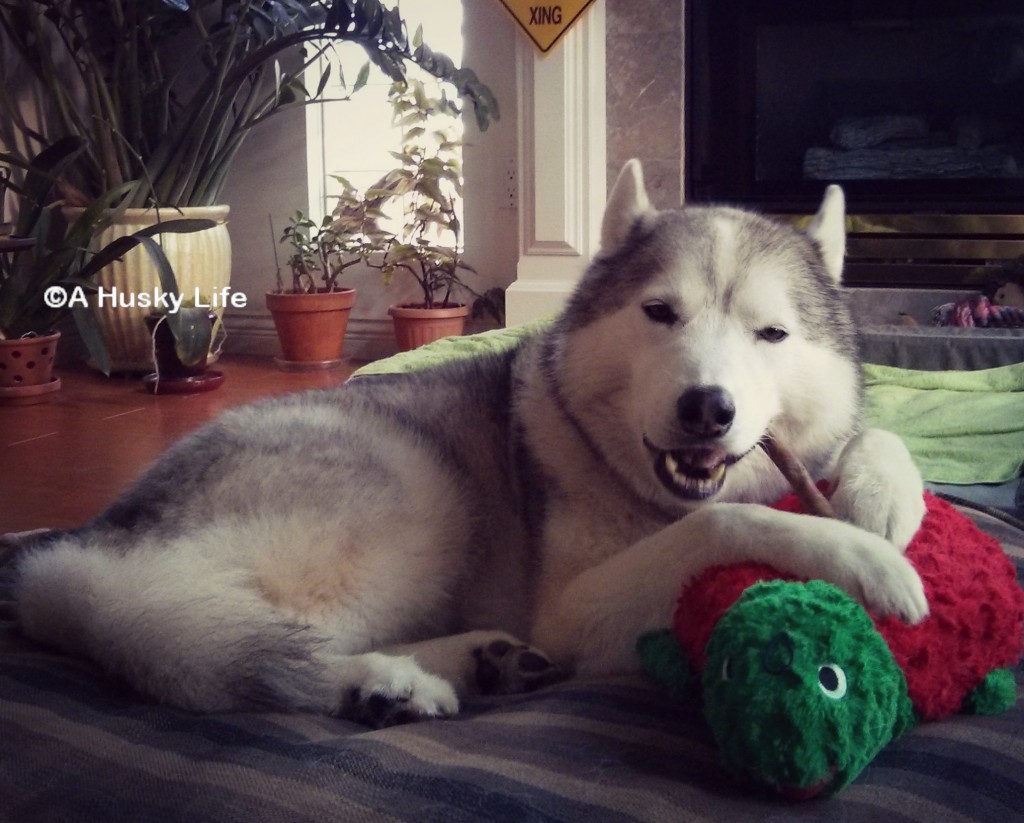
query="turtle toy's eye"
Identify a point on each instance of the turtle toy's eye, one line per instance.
(832, 681)
(727, 670)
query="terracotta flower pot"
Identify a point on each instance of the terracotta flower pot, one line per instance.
(416, 326)
(311, 327)
(26, 370)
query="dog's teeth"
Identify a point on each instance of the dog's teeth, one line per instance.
(690, 481)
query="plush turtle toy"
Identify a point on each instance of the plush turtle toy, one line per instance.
(802, 687)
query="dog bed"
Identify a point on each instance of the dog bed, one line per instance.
(75, 745)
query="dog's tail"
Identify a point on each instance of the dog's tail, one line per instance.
(202, 640)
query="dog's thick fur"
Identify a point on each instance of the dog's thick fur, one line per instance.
(376, 549)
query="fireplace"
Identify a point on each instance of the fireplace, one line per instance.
(916, 107)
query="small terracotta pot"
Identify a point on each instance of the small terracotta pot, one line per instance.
(28, 361)
(311, 327)
(416, 326)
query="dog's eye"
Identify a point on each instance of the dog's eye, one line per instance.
(660, 312)
(773, 334)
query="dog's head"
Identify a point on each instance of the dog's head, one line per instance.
(697, 331)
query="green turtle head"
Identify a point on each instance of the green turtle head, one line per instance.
(800, 690)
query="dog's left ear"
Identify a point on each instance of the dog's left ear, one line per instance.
(627, 202)
(828, 230)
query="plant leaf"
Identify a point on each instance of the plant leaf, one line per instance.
(324, 78)
(190, 326)
(362, 78)
(92, 336)
(122, 245)
(193, 333)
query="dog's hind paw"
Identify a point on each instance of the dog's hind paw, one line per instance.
(381, 690)
(504, 666)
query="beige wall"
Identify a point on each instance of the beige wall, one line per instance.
(644, 114)
(644, 56)
(267, 180)
(269, 177)
(624, 59)
(644, 99)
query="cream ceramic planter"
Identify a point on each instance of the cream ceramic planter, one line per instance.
(201, 262)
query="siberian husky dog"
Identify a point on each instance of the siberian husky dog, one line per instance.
(378, 549)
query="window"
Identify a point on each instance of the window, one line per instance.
(353, 137)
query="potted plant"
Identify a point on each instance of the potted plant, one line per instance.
(311, 314)
(174, 372)
(164, 92)
(422, 193)
(46, 268)
(28, 346)
(26, 360)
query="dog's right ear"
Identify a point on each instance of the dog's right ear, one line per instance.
(626, 203)
(828, 230)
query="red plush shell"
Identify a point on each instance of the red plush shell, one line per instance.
(974, 625)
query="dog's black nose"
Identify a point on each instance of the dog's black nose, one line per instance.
(707, 411)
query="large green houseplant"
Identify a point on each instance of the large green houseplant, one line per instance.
(164, 92)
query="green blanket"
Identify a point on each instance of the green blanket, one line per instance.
(451, 348)
(962, 427)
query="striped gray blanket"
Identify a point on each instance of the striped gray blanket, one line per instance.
(77, 746)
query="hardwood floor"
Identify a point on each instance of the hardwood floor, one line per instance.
(62, 462)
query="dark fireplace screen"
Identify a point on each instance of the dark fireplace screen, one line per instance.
(910, 105)
(915, 106)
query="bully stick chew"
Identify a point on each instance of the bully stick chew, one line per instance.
(793, 470)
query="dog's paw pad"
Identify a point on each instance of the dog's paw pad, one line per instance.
(503, 667)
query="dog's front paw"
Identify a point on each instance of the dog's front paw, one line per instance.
(506, 666)
(879, 488)
(884, 580)
(900, 593)
(381, 690)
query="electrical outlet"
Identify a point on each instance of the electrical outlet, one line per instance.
(511, 197)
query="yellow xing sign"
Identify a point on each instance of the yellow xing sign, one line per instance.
(545, 23)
